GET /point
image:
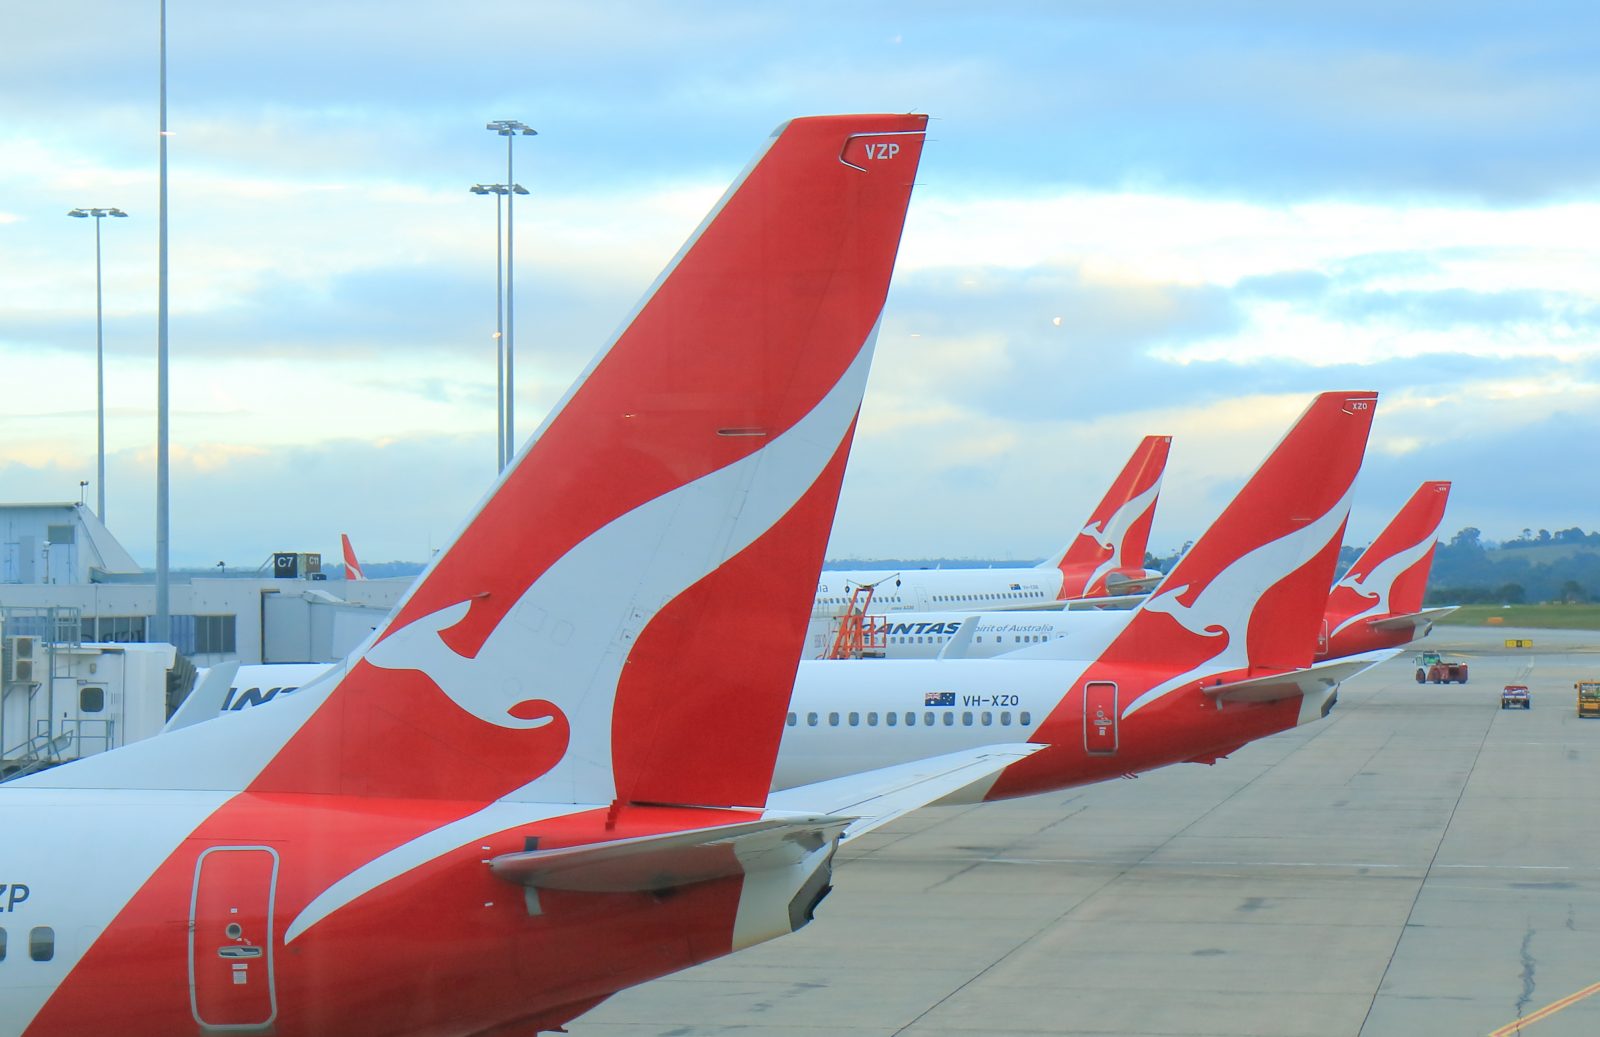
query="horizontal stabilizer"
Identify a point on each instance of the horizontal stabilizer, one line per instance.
(877, 797)
(1412, 620)
(206, 699)
(1119, 602)
(1311, 680)
(961, 640)
(1108, 601)
(655, 862)
(1125, 585)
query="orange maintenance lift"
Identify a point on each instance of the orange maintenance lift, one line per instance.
(859, 636)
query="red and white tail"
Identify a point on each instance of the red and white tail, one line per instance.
(1391, 576)
(586, 637)
(352, 568)
(1117, 534)
(1249, 595)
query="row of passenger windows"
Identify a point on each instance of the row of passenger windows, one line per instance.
(934, 639)
(41, 943)
(892, 599)
(984, 718)
(986, 597)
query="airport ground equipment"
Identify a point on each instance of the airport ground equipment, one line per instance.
(1433, 669)
(1588, 698)
(1515, 696)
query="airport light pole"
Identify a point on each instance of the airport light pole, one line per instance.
(99, 353)
(510, 129)
(163, 626)
(499, 191)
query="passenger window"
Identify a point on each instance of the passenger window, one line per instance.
(833, 720)
(966, 719)
(888, 718)
(1024, 718)
(872, 720)
(911, 720)
(927, 718)
(1005, 718)
(987, 718)
(811, 720)
(42, 943)
(793, 720)
(949, 720)
(855, 719)
(2, 944)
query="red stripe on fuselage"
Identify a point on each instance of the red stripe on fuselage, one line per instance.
(469, 954)
(1171, 729)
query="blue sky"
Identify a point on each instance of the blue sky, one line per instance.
(1133, 218)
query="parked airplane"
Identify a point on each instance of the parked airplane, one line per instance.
(1378, 603)
(1105, 559)
(544, 779)
(1219, 655)
(352, 568)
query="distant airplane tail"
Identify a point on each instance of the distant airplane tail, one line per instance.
(352, 568)
(1107, 555)
(1391, 576)
(1249, 595)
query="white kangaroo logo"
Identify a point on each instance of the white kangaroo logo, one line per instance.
(1225, 605)
(567, 638)
(1378, 584)
(1110, 534)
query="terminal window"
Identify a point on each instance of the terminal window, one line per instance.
(113, 629)
(205, 635)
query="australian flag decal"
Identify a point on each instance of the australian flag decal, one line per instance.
(939, 698)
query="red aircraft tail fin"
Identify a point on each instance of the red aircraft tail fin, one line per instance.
(584, 638)
(1250, 593)
(1118, 531)
(1391, 576)
(352, 568)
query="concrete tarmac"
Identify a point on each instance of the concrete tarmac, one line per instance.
(1420, 862)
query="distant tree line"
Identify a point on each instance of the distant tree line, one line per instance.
(1467, 571)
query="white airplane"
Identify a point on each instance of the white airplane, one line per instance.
(540, 782)
(1219, 655)
(1105, 559)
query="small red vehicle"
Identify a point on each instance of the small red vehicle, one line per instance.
(1515, 696)
(1431, 669)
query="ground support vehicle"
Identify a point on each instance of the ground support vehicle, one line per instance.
(1431, 669)
(1515, 696)
(1588, 698)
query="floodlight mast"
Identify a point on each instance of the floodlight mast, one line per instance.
(163, 630)
(510, 129)
(99, 214)
(498, 190)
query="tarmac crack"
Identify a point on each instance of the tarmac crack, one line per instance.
(1528, 965)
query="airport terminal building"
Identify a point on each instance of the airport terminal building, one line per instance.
(64, 577)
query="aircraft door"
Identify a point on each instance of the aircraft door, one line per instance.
(231, 982)
(1100, 718)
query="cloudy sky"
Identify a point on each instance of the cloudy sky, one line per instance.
(1135, 217)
